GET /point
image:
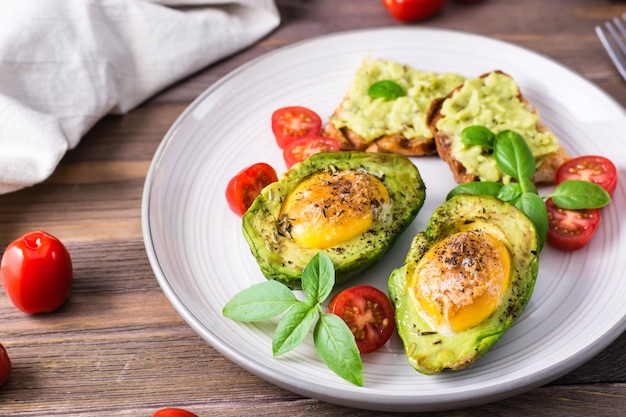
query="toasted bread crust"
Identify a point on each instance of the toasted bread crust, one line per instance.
(547, 165)
(443, 143)
(349, 140)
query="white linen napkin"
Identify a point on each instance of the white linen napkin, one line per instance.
(65, 64)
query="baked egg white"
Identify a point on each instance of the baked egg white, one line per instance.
(330, 208)
(462, 279)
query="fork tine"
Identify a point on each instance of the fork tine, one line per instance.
(618, 58)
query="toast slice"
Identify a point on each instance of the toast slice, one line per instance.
(397, 125)
(492, 100)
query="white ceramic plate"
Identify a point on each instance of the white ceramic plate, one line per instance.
(201, 260)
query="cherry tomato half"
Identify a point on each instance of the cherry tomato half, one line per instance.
(295, 122)
(36, 272)
(299, 150)
(592, 168)
(244, 187)
(173, 412)
(369, 314)
(571, 229)
(413, 10)
(5, 365)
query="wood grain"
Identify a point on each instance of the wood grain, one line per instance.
(119, 348)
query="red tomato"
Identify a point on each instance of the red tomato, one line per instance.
(36, 271)
(5, 365)
(413, 10)
(299, 150)
(369, 314)
(592, 168)
(244, 187)
(173, 412)
(291, 123)
(571, 229)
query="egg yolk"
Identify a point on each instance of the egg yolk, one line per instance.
(329, 208)
(461, 280)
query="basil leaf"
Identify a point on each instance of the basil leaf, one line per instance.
(260, 302)
(333, 339)
(293, 327)
(478, 135)
(510, 191)
(579, 194)
(513, 155)
(337, 348)
(527, 185)
(318, 278)
(535, 208)
(476, 188)
(387, 89)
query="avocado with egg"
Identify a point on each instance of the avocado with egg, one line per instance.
(352, 205)
(466, 278)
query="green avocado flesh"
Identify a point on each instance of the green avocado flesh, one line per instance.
(267, 229)
(432, 347)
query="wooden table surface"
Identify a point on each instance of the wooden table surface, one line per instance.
(118, 347)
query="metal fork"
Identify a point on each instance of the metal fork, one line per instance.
(613, 39)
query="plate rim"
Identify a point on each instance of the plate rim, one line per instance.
(538, 378)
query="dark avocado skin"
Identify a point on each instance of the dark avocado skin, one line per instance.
(281, 259)
(430, 352)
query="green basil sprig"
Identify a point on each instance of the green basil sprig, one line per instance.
(514, 158)
(478, 135)
(387, 89)
(333, 340)
(577, 194)
(513, 155)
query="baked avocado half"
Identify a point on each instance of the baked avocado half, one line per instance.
(351, 205)
(465, 280)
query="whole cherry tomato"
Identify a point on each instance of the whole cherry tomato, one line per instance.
(173, 412)
(299, 150)
(413, 10)
(5, 365)
(244, 187)
(592, 168)
(570, 229)
(36, 272)
(295, 122)
(368, 312)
